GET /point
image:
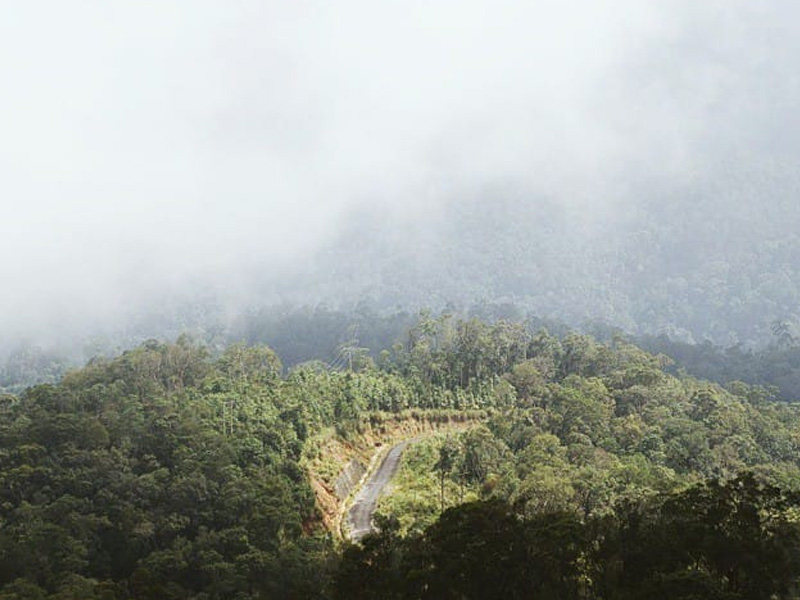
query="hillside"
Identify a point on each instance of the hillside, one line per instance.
(164, 473)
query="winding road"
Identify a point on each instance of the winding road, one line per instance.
(359, 517)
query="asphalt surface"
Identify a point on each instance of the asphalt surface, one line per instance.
(359, 517)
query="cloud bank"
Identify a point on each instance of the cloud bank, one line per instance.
(150, 148)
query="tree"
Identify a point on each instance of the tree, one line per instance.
(448, 452)
(475, 551)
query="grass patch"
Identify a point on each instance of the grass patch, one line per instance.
(414, 495)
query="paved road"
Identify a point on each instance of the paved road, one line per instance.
(359, 517)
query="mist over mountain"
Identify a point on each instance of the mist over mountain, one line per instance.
(627, 163)
(716, 259)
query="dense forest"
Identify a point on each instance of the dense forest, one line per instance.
(710, 259)
(179, 471)
(302, 334)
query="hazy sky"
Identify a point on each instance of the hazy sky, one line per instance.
(144, 145)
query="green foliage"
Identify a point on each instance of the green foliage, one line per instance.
(160, 473)
(736, 541)
(592, 425)
(166, 473)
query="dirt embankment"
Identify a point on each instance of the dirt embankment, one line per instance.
(336, 467)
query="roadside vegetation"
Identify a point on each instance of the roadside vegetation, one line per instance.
(169, 473)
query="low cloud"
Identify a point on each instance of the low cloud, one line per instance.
(150, 147)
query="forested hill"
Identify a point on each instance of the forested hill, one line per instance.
(302, 334)
(165, 473)
(714, 259)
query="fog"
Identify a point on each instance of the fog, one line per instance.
(249, 153)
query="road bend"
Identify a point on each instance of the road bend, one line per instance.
(359, 517)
